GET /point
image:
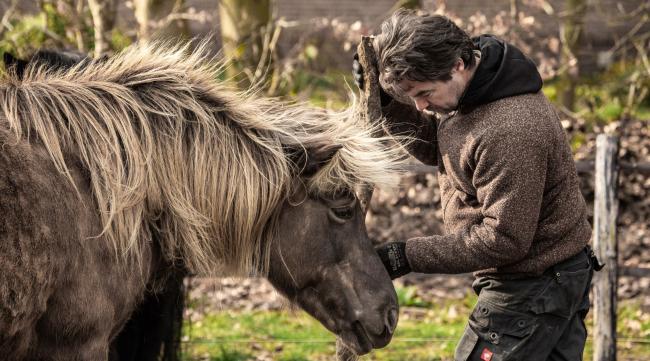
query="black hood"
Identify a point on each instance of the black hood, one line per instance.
(503, 71)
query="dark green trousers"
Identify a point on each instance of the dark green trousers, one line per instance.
(531, 319)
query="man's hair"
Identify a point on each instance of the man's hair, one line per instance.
(420, 47)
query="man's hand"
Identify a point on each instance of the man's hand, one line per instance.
(393, 256)
(357, 72)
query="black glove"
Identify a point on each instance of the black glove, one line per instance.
(393, 256)
(357, 72)
(595, 262)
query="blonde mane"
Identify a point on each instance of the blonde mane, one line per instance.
(174, 154)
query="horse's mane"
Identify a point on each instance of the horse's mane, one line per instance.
(173, 154)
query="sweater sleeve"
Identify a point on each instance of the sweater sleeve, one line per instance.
(510, 165)
(405, 121)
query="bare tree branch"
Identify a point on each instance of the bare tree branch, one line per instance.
(4, 23)
(629, 35)
(103, 12)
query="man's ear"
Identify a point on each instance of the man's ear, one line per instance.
(460, 65)
(311, 160)
(14, 64)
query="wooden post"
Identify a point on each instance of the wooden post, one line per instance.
(369, 102)
(605, 247)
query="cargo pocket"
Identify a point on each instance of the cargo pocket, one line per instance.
(566, 292)
(507, 330)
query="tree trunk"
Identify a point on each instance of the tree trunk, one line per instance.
(571, 33)
(514, 9)
(243, 25)
(103, 12)
(153, 18)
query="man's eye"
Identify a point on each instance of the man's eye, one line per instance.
(341, 213)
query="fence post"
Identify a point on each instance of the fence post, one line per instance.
(605, 246)
(369, 100)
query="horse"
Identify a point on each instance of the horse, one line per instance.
(118, 173)
(153, 331)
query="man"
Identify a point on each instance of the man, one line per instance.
(512, 208)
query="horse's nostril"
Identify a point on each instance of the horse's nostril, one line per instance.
(391, 319)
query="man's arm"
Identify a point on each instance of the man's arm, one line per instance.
(510, 172)
(405, 120)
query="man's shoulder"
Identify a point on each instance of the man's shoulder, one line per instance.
(516, 104)
(519, 111)
(526, 117)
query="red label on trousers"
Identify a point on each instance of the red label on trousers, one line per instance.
(486, 355)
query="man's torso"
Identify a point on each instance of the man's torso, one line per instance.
(562, 228)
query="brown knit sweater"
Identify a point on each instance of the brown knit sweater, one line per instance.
(509, 188)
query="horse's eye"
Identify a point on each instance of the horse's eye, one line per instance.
(341, 214)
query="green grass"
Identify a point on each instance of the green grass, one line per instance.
(230, 336)
(287, 336)
(424, 334)
(408, 296)
(294, 336)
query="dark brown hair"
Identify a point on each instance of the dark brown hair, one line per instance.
(421, 47)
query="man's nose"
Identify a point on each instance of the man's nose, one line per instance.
(421, 104)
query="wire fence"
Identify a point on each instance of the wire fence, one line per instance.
(226, 340)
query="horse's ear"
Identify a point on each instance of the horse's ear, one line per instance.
(14, 64)
(55, 59)
(311, 160)
(8, 59)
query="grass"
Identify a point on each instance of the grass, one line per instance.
(286, 336)
(230, 336)
(425, 333)
(293, 335)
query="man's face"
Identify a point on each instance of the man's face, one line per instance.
(437, 96)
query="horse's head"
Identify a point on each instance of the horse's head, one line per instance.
(324, 262)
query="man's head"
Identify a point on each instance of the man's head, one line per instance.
(426, 57)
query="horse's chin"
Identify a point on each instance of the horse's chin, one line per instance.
(357, 339)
